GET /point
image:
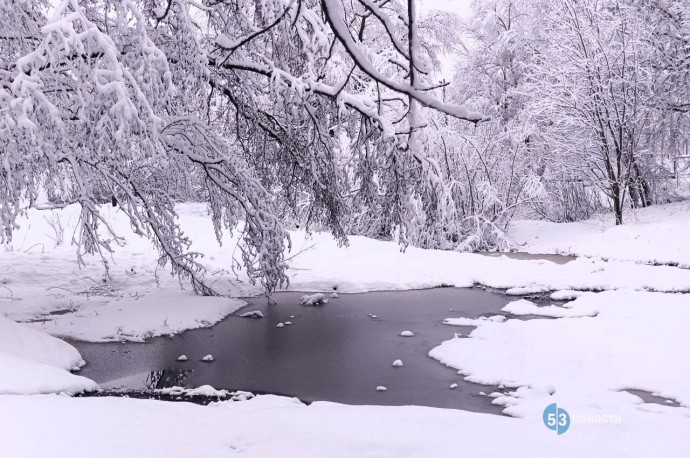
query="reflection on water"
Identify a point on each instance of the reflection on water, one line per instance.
(167, 378)
(148, 380)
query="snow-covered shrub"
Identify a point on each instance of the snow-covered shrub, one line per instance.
(55, 224)
(567, 201)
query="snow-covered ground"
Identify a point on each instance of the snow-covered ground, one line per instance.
(631, 335)
(270, 426)
(32, 362)
(606, 343)
(41, 284)
(656, 235)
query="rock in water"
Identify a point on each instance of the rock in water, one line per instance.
(207, 358)
(397, 363)
(381, 388)
(407, 334)
(182, 358)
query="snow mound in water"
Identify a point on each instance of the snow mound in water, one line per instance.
(205, 390)
(525, 307)
(314, 299)
(474, 322)
(565, 295)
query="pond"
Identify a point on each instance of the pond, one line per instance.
(335, 352)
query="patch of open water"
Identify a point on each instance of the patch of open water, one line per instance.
(335, 352)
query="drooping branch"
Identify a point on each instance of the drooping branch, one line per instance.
(335, 14)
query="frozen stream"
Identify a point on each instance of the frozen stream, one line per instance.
(335, 352)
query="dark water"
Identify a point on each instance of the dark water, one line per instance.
(335, 352)
(520, 255)
(651, 398)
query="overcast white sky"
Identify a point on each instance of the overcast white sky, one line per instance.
(461, 7)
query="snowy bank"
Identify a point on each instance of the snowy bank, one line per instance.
(270, 426)
(43, 284)
(655, 235)
(32, 362)
(139, 319)
(609, 342)
(25, 376)
(37, 346)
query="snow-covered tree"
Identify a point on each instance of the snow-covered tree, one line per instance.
(597, 90)
(591, 90)
(490, 166)
(259, 107)
(669, 42)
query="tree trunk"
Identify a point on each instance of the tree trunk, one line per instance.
(641, 185)
(617, 203)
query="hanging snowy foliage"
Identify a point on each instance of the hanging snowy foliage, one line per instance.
(269, 110)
